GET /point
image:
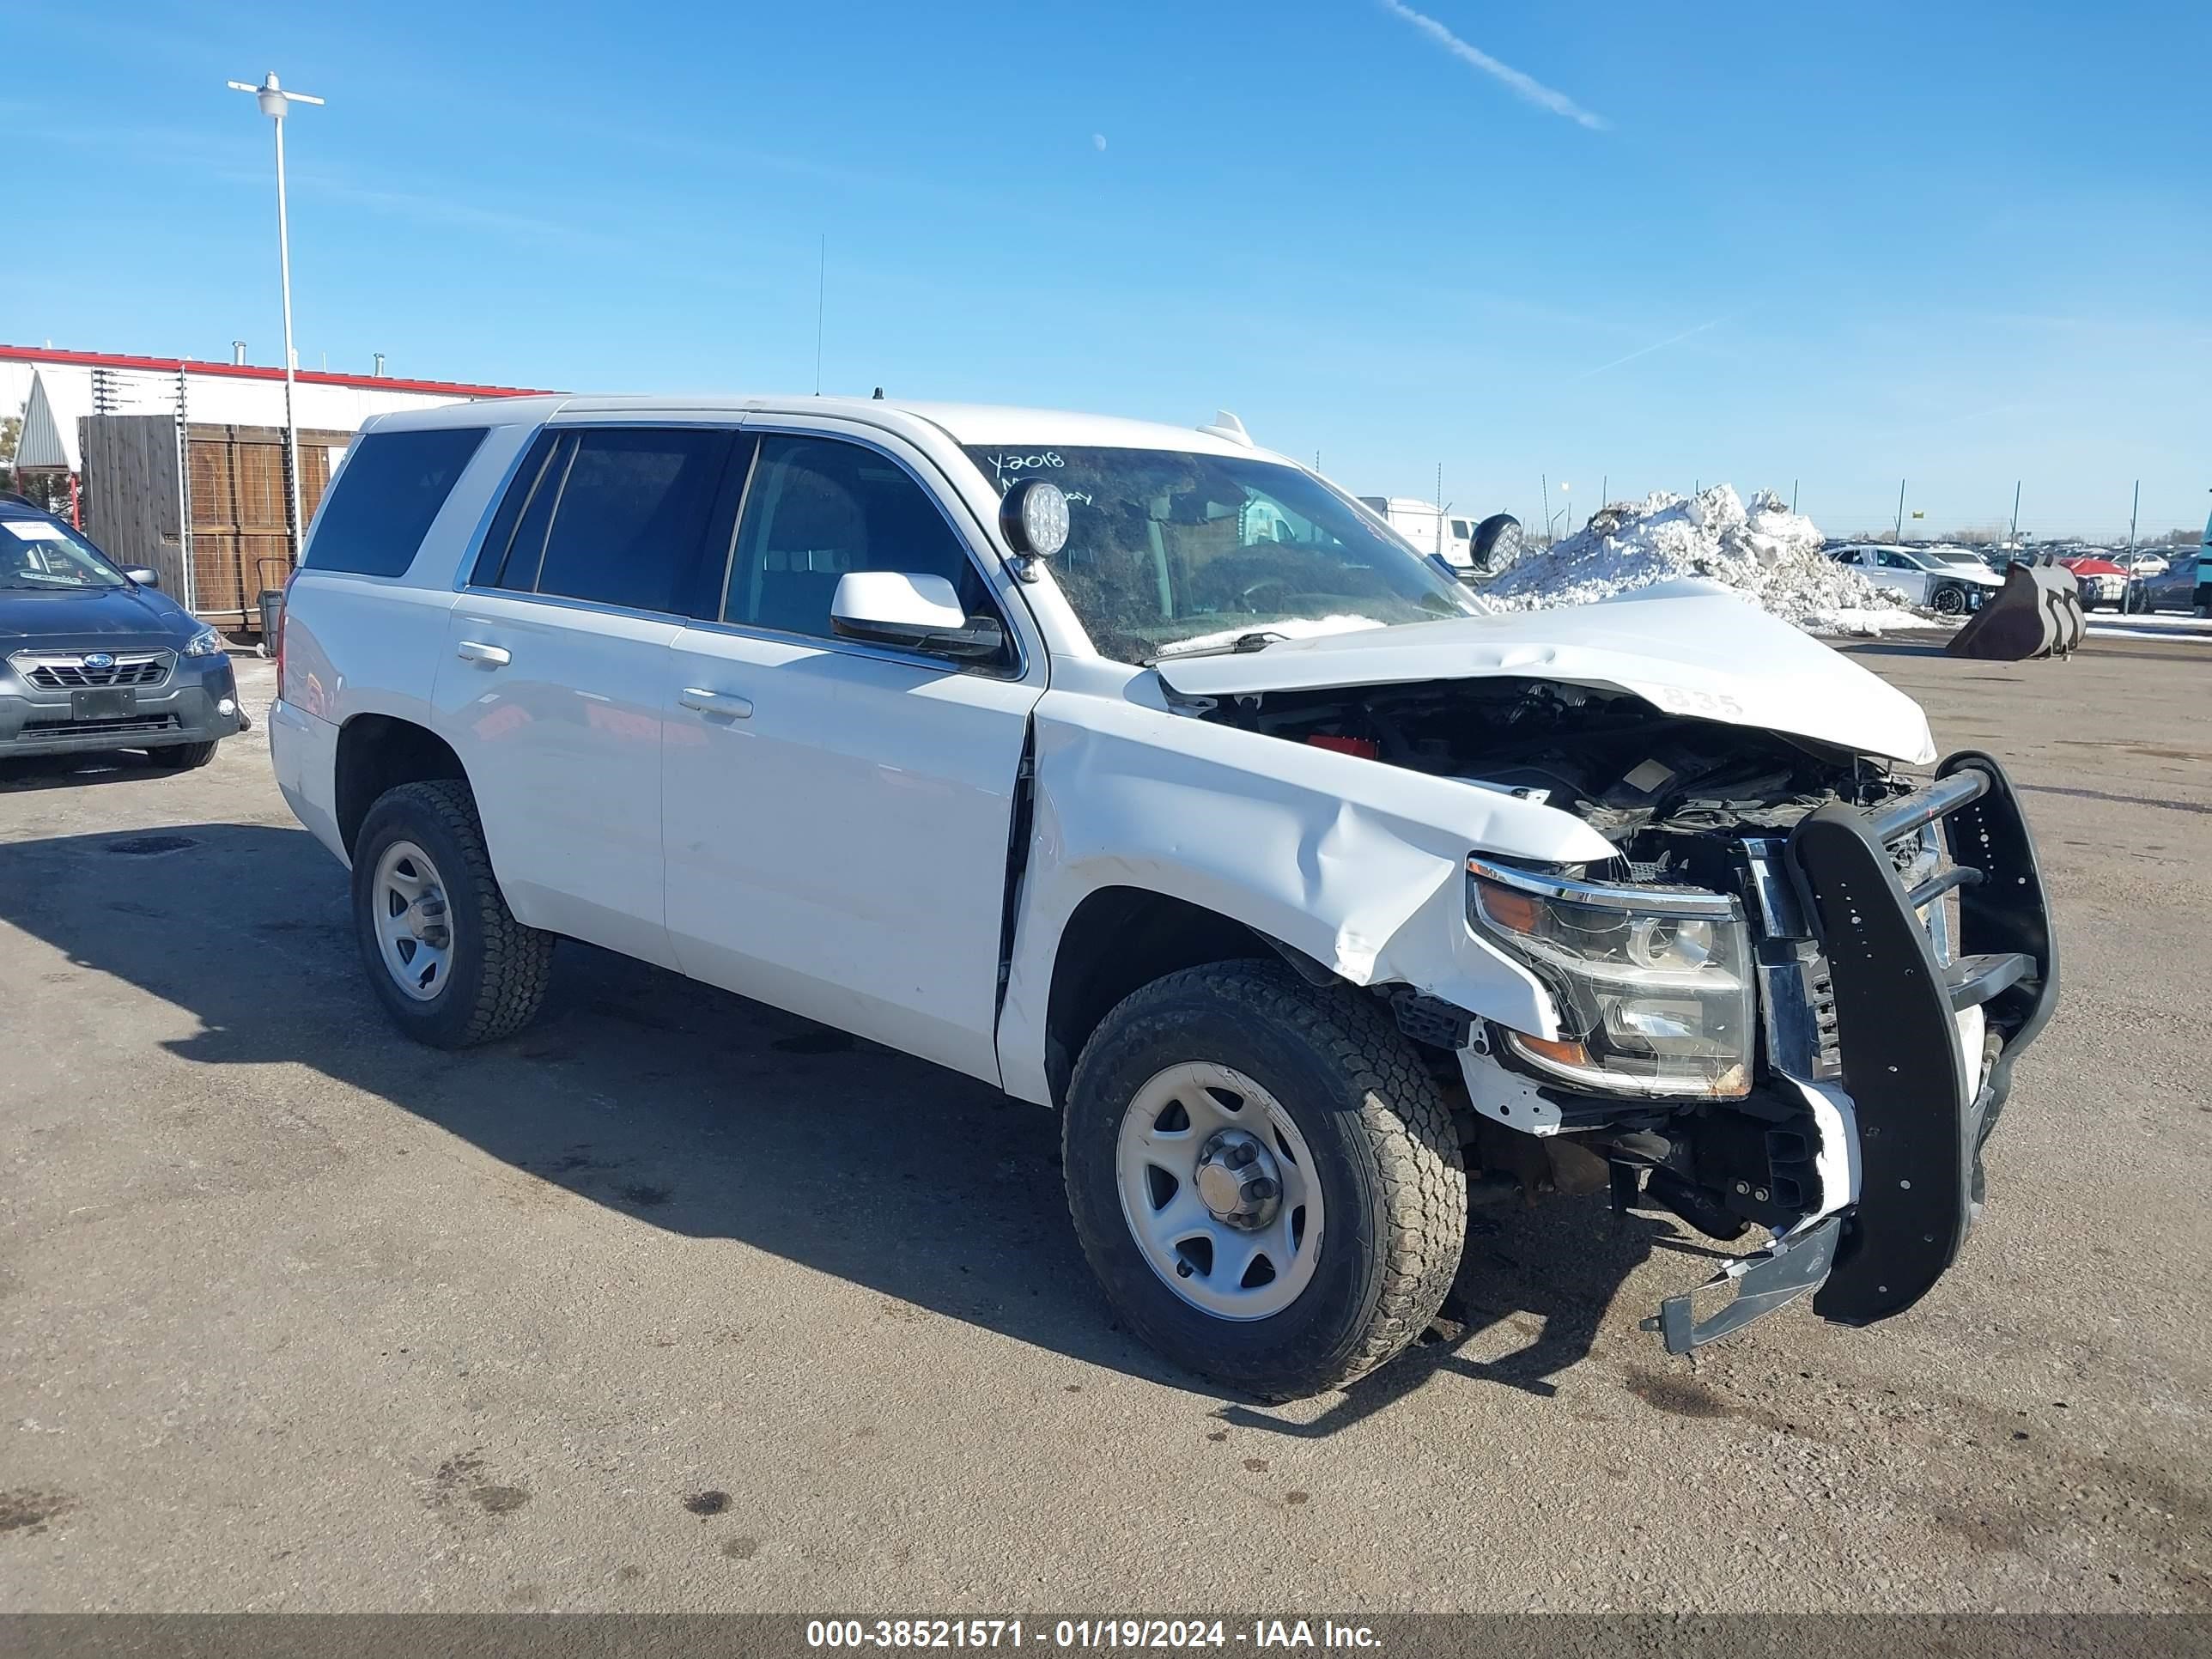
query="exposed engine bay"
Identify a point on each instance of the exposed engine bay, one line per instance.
(1657, 785)
(1680, 798)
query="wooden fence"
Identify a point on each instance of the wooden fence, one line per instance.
(234, 494)
(131, 505)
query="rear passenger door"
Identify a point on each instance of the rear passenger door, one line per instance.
(552, 684)
(836, 814)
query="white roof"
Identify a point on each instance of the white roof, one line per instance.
(964, 423)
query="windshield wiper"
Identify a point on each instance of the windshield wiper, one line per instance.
(1260, 639)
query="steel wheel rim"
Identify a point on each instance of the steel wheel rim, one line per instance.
(1180, 1121)
(414, 931)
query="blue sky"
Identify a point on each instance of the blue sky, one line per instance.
(1641, 241)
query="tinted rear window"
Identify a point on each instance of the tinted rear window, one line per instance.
(389, 490)
(629, 514)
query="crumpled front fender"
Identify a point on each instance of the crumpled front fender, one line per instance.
(1357, 865)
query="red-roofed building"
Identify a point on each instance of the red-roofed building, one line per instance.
(210, 513)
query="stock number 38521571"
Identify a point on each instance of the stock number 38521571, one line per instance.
(1066, 1633)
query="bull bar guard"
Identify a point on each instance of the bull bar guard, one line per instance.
(1923, 1108)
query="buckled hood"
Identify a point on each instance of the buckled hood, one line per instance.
(1692, 648)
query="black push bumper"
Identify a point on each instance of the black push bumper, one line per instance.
(1923, 1108)
(1872, 1011)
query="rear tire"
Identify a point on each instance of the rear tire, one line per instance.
(1386, 1176)
(459, 969)
(181, 756)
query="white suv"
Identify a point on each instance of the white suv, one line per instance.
(1146, 776)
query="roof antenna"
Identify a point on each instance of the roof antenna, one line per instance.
(1226, 425)
(879, 398)
(821, 294)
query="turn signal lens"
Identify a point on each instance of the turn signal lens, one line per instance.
(1559, 1053)
(1517, 913)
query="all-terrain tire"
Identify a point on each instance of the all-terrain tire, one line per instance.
(181, 756)
(499, 969)
(1393, 1182)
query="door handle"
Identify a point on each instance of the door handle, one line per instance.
(491, 656)
(715, 703)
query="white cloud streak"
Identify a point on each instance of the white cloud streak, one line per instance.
(1525, 86)
(1656, 345)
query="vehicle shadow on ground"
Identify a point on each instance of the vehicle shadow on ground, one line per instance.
(74, 771)
(1892, 648)
(712, 1117)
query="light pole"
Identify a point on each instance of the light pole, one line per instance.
(275, 102)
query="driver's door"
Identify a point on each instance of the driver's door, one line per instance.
(835, 815)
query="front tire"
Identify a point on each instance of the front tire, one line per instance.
(448, 961)
(1264, 1178)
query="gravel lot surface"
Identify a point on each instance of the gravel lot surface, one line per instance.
(677, 1302)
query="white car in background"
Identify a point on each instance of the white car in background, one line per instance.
(1948, 587)
(1441, 534)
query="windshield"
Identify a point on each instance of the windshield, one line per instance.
(39, 555)
(1169, 551)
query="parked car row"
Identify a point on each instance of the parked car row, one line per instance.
(1953, 580)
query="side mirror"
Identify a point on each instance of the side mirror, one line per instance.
(143, 576)
(912, 612)
(1497, 541)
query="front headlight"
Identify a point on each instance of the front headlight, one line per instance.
(1653, 985)
(205, 643)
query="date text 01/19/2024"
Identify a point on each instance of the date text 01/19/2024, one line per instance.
(1085, 1634)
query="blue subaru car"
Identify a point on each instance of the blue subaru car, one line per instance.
(95, 657)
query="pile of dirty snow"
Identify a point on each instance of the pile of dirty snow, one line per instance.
(1766, 552)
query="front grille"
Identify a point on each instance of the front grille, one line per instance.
(115, 726)
(55, 671)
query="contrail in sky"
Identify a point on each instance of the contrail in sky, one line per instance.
(1656, 345)
(1527, 86)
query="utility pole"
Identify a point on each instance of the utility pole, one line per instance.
(1545, 501)
(1793, 494)
(275, 103)
(2133, 508)
(1897, 534)
(2015, 511)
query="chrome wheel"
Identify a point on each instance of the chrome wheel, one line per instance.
(413, 933)
(1220, 1191)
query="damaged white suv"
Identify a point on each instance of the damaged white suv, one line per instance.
(1145, 774)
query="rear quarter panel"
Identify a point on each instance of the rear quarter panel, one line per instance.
(358, 645)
